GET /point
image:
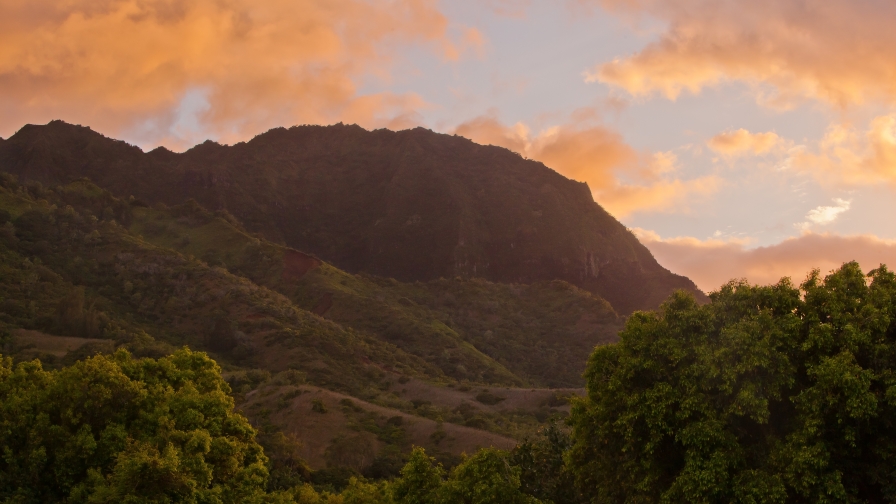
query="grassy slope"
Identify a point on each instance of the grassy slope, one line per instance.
(65, 272)
(79, 263)
(539, 334)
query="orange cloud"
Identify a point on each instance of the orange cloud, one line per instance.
(509, 8)
(848, 156)
(736, 143)
(135, 65)
(711, 263)
(837, 51)
(621, 179)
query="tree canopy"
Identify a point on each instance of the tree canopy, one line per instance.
(113, 429)
(119, 429)
(765, 394)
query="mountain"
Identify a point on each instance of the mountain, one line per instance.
(411, 205)
(76, 261)
(82, 271)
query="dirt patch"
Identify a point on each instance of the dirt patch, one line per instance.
(296, 410)
(324, 305)
(296, 265)
(41, 343)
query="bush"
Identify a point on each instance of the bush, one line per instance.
(115, 428)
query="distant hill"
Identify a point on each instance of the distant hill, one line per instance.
(412, 205)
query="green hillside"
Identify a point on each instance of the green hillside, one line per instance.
(412, 205)
(79, 262)
(85, 272)
(472, 329)
(67, 272)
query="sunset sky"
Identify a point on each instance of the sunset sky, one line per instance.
(750, 139)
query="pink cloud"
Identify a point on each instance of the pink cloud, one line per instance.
(836, 51)
(621, 179)
(711, 263)
(127, 65)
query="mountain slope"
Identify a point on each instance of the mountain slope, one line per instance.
(65, 272)
(471, 329)
(412, 205)
(82, 272)
(188, 276)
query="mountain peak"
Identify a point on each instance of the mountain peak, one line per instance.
(411, 204)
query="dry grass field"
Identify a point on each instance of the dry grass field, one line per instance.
(36, 343)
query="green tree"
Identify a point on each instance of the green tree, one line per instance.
(766, 394)
(420, 479)
(485, 478)
(544, 472)
(119, 429)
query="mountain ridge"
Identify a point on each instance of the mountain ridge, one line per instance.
(412, 205)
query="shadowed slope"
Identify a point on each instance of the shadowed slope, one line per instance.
(413, 205)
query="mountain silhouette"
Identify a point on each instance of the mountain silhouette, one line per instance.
(411, 205)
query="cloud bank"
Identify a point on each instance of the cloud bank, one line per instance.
(837, 51)
(621, 179)
(848, 156)
(231, 67)
(711, 263)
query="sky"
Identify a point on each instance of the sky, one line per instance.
(737, 139)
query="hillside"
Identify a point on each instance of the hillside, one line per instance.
(472, 329)
(67, 273)
(188, 276)
(82, 271)
(411, 205)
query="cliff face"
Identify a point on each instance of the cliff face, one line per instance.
(413, 205)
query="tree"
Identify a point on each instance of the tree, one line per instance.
(119, 429)
(544, 472)
(420, 479)
(487, 477)
(766, 394)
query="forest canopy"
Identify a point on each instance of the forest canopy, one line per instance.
(765, 394)
(113, 429)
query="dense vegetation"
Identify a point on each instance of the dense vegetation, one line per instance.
(116, 429)
(766, 394)
(412, 205)
(539, 333)
(79, 262)
(119, 429)
(68, 272)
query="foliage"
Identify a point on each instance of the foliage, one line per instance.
(119, 429)
(146, 278)
(67, 272)
(487, 477)
(767, 394)
(544, 472)
(420, 480)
